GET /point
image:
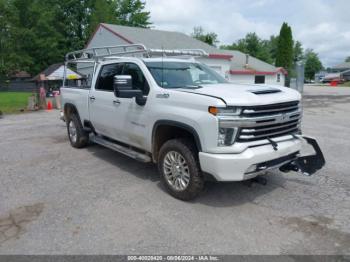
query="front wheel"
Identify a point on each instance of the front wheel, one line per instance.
(179, 168)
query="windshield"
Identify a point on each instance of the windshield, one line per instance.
(183, 75)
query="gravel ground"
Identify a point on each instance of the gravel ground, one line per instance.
(55, 199)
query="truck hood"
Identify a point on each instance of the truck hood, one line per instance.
(246, 94)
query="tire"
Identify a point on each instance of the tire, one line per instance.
(185, 169)
(78, 138)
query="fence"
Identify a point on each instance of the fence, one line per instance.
(18, 86)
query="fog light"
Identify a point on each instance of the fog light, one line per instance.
(251, 169)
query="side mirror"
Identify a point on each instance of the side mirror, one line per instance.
(122, 85)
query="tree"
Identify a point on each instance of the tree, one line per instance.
(298, 52)
(5, 47)
(284, 53)
(253, 46)
(72, 21)
(312, 64)
(347, 59)
(33, 37)
(132, 13)
(101, 12)
(272, 45)
(210, 38)
(35, 33)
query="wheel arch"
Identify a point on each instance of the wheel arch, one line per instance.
(179, 130)
(69, 109)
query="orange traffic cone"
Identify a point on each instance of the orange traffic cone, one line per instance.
(334, 83)
(49, 105)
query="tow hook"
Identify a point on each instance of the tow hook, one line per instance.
(309, 164)
(289, 167)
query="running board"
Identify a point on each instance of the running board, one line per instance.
(121, 149)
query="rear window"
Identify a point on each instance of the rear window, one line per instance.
(79, 75)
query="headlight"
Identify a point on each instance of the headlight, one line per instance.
(227, 133)
(224, 111)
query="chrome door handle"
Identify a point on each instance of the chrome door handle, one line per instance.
(92, 98)
(116, 102)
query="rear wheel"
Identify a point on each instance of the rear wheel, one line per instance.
(78, 137)
(179, 168)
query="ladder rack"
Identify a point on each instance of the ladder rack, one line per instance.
(95, 54)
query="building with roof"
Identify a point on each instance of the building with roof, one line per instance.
(234, 65)
(55, 72)
(340, 72)
(52, 76)
(341, 67)
(20, 76)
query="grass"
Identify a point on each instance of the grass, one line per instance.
(13, 102)
(346, 84)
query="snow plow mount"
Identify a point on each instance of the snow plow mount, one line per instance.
(309, 164)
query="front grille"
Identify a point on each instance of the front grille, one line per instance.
(269, 121)
(252, 111)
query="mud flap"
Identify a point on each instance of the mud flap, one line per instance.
(309, 164)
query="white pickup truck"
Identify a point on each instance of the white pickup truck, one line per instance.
(180, 114)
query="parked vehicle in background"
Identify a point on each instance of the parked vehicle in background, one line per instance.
(162, 106)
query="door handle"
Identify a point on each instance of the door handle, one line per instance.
(116, 102)
(92, 98)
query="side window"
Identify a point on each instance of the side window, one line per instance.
(138, 79)
(105, 79)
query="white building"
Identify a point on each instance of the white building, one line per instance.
(234, 65)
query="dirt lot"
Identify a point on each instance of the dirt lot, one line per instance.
(58, 200)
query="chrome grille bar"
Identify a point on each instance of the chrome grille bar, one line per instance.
(252, 111)
(258, 121)
(269, 134)
(266, 121)
(293, 123)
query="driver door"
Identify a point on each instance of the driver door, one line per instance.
(134, 125)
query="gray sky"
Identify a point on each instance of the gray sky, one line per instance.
(323, 25)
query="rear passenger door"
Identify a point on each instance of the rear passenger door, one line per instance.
(105, 111)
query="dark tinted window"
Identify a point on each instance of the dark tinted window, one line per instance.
(259, 79)
(138, 79)
(105, 80)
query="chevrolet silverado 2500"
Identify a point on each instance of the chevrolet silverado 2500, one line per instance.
(162, 106)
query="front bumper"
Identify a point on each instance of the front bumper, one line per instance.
(255, 160)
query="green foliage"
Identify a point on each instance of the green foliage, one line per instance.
(312, 64)
(347, 59)
(254, 46)
(346, 84)
(36, 33)
(298, 52)
(122, 12)
(272, 45)
(210, 38)
(131, 13)
(284, 53)
(101, 12)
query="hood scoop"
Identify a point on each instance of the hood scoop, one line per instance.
(264, 91)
